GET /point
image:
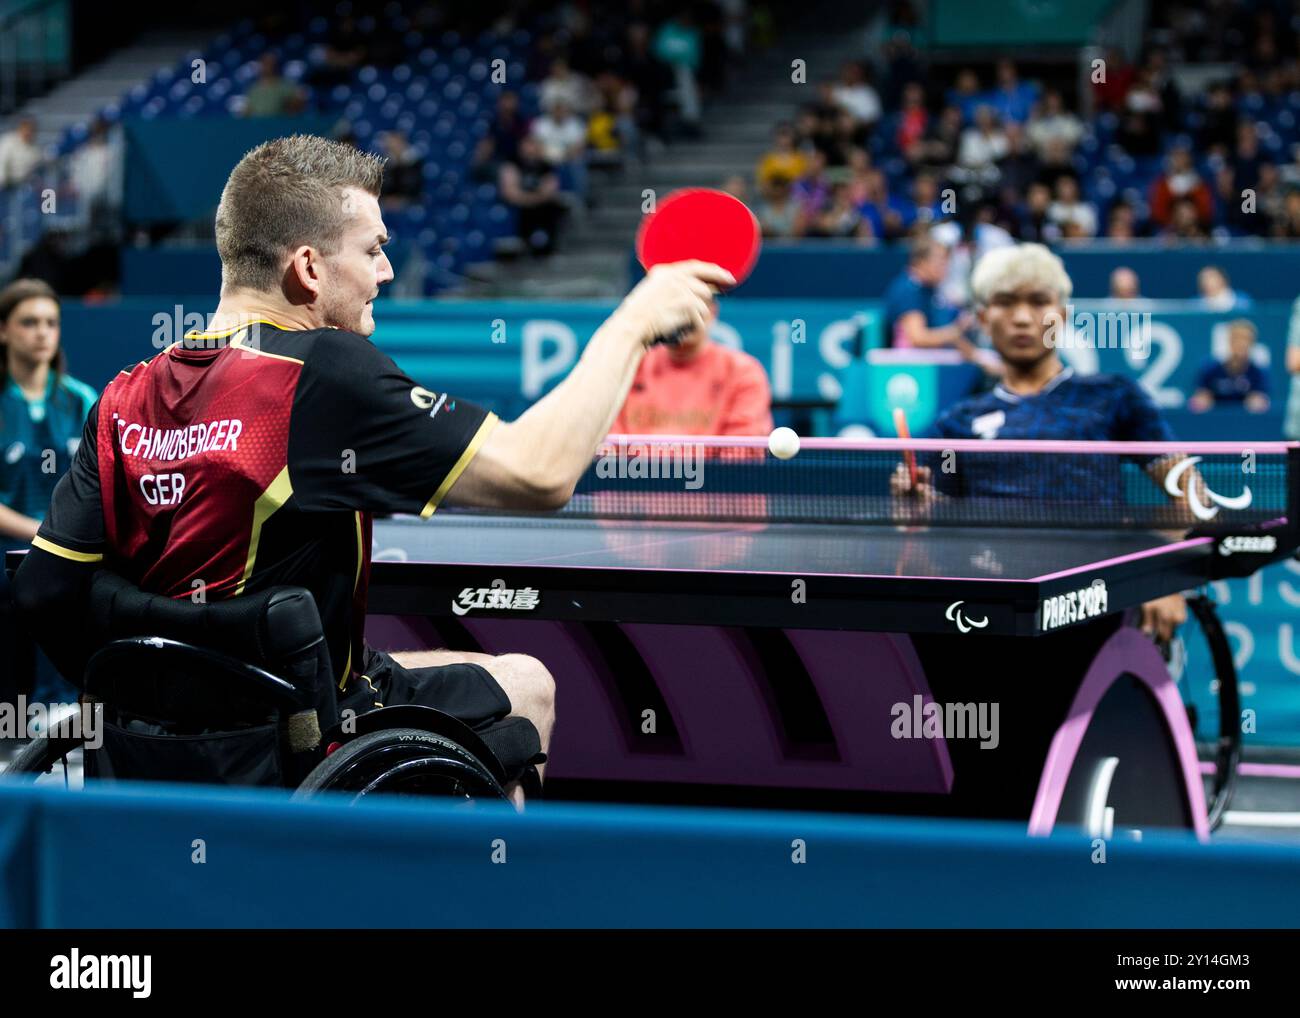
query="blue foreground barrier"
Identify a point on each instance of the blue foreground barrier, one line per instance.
(145, 856)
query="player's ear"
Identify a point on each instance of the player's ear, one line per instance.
(304, 271)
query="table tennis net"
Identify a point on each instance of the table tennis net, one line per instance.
(1065, 485)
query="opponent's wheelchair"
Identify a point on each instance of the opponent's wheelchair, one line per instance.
(260, 711)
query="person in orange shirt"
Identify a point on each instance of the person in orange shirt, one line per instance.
(697, 387)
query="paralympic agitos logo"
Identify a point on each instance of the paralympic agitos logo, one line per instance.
(964, 624)
(1199, 509)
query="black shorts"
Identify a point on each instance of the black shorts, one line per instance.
(467, 692)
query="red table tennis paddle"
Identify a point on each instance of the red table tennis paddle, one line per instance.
(699, 223)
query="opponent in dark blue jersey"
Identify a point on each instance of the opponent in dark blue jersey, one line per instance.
(1022, 293)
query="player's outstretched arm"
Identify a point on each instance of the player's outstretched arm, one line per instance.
(536, 461)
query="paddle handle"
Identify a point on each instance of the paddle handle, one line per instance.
(673, 338)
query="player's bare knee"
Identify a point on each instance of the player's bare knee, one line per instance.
(530, 686)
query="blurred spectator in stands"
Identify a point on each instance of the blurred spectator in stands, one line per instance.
(1232, 210)
(1110, 91)
(855, 94)
(1216, 292)
(345, 50)
(585, 49)
(403, 172)
(1235, 380)
(1180, 180)
(938, 148)
(1124, 284)
(902, 67)
(814, 128)
(1019, 167)
(484, 166)
(617, 102)
(19, 153)
(651, 79)
(1287, 226)
(530, 185)
(911, 122)
(887, 213)
(915, 315)
(848, 135)
(1184, 221)
(567, 86)
(840, 218)
(1290, 172)
(1218, 130)
(982, 145)
(1033, 222)
(812, 191)
(1011, 98)
(1142, 125)
(862, 182)
(605, 140)
(562, 141)
(1005, 210)
(924, 206)
(508, 127)
(1247, 157)
(95, 173)
(677, 44)
(1159, 78)
(713, 46)
(1056, 162)
(735, 29)
(1052, 124)
(697, 387)
(783, 159)
(1074, 217)
(272, 95)
(1121, 222)
(1270, 198)
(966, 95)
(777, 213)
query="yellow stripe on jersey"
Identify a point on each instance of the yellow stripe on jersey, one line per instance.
(453, 475)
(195, 334)
(67, 553)
(356, 580)
(238, 344)
(276, 494)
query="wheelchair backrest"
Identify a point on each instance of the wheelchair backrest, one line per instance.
(278, 630)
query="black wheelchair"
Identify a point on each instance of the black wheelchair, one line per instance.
(240, 692)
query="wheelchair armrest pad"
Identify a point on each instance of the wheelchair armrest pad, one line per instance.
(267, 628)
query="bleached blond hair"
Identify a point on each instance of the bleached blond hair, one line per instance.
(1007, 269)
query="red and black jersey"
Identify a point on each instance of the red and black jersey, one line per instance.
(252, 458)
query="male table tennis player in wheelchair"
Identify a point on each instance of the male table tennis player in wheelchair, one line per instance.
(253, 454)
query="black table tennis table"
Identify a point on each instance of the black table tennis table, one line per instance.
(792, 663)
(867, 578)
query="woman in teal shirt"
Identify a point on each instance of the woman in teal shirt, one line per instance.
(42, 413)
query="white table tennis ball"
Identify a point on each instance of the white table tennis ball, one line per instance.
(784, 443)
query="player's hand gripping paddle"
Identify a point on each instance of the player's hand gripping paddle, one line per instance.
(699, 223)
(909, 456)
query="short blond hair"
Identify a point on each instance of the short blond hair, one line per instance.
(1011, 268)
(284, 193)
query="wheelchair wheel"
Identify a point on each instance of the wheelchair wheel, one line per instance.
(50, 758)
(403, 761)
